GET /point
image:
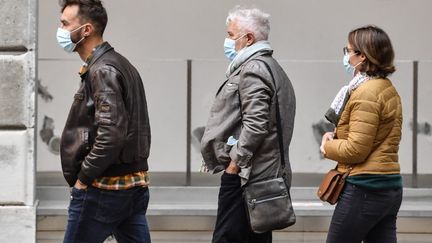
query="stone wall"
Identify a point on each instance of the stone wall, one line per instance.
(17, 120)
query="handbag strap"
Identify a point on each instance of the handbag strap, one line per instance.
(346, 174)
(278, 119)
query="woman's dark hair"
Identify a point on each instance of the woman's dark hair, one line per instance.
(90, 10)
(376, 46)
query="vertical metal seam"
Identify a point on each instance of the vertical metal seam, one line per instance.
(188, 122)
(414, 125)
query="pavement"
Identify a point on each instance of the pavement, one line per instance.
(179, 213)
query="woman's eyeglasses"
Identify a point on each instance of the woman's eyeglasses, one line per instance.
(346, 50)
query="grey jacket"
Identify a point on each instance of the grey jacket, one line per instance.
(245, 108)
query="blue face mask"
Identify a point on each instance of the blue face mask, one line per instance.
(65, 41)
(348, 67)
(229, 47)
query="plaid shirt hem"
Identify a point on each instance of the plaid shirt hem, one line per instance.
(123, 182)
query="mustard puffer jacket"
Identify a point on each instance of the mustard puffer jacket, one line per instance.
(369, 130)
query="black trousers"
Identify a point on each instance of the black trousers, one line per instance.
(232, 225)
(365, 215)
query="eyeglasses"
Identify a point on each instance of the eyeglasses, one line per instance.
(346, 50)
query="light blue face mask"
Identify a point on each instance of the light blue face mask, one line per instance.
(229, 48)
(348, 67)
(65, 41)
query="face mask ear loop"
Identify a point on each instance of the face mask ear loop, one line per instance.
(80, 40)
(78, 28)
(357, 64)
(76, 44)
(240, 37)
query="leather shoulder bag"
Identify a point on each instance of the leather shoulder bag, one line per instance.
(268, 202)
(332, 185)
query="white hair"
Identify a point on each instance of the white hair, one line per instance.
(251, 20)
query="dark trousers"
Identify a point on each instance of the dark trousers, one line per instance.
(365, 215)
(94, 214)
(232, 225)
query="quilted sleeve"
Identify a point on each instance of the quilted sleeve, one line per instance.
(364, 117)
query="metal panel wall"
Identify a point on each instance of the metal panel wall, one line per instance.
(159, 36)
(424, 118)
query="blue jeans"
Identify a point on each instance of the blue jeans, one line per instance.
(95, 214)
(365, 215)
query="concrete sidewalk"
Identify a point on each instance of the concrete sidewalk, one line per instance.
(205, 237)
(187, 214)
(170, 207)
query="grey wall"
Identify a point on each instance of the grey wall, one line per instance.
(308, 36)
(17, 120)
(306, 29)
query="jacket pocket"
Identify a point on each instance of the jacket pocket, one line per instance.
(78, 98)
(85, 136)
(106, 108)
(230, 89)
(228, 96)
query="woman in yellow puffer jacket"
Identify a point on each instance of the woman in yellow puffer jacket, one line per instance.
(367, 114)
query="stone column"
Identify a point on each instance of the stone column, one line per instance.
(18, 88)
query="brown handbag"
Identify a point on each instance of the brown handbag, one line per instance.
(332, 185)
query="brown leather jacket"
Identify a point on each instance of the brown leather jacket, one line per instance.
(107, 132)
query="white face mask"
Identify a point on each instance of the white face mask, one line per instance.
(65, 41)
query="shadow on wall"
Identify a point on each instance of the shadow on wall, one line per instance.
(197, 135)
(422, 128)
(47, 131)
(48, 137)
(318, 130)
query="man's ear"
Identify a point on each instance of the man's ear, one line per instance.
(250, 39)
(88, 30)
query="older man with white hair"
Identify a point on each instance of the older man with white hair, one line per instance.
(241, 136)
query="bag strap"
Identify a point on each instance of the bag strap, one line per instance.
(278, 119)
(346, 174)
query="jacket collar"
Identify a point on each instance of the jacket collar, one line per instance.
(257, 54)
(98, 52)
(237, 71)
(246, 53)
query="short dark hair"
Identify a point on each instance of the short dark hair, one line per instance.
(90, 10)
(375, 45)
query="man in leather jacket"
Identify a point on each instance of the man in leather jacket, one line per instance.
(241, 136)
(106, 140)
